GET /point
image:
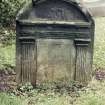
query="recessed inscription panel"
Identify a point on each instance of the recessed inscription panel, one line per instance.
(55, 60)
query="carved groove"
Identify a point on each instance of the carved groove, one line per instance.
(28, 62)
(83, 64)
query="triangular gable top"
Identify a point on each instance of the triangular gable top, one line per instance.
(68, 10)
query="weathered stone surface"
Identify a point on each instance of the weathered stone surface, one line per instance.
(54, 42)
(54, 10)
(55, 59)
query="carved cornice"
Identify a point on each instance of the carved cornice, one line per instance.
(82, 42)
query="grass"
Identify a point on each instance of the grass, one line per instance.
(6, 99)
(99, 47)
(39, 99)
(7, 56)
(93, 94)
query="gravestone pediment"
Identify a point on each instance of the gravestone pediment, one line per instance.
(60, 10)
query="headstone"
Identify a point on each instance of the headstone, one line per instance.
(54, 42)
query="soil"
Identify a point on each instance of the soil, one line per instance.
(7, 80)
(100, 74)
